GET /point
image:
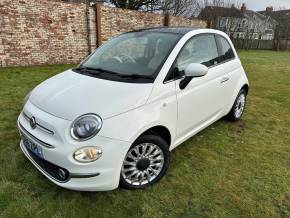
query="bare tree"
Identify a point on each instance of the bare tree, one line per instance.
(176, 7)
(185, 8)
(219, 3)
(191, 8)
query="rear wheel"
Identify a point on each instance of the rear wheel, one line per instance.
(238, 107)
(145, 163)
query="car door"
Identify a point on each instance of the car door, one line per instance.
(202, 99)
(230, 65)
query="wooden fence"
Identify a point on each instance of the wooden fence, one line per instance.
(281, 45)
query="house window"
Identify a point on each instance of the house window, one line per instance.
(244, 23)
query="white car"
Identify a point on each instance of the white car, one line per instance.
(115, 118)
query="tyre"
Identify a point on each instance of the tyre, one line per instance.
(145, 163)
(238, 108)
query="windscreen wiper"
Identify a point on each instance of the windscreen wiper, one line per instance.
(91, 69)
(97, 71)
(87, 70)
(137, 76)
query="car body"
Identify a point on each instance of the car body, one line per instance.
(172, 106)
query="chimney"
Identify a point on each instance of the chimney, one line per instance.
(269, 9)
(244, 7)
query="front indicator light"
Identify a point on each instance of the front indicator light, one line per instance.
(88, 154)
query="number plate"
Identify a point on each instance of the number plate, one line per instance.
(31, 146)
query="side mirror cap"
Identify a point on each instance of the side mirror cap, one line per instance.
(191, 71)
(195, 70)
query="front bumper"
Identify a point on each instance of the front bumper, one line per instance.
(100, 175)
(99, 179)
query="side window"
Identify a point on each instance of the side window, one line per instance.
(227, 52)
(200, 49)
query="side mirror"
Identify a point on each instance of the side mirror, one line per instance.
(191, 71)
(195, 70)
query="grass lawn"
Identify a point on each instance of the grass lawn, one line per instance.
(227, 170)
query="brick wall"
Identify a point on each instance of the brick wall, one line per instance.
(34, 32)
(115, 21)
(181, 21)
(37, 32)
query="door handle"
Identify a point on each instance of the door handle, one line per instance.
(225, 79)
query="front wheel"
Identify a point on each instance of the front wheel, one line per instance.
(145, 163)
(238, 107)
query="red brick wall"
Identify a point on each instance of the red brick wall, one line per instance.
(181, 21)
(36, 32)
(115, 21)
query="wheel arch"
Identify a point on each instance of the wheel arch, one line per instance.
(246, 88)
(159, 130)
(243, 85)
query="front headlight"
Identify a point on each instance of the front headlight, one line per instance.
(86, 127)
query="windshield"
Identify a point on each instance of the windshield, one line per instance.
(137, 54)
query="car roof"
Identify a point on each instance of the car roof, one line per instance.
(176, 30)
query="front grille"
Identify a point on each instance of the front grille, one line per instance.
(58, 173)
(23, 131)
(43, 128)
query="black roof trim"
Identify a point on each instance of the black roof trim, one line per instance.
(176, 30)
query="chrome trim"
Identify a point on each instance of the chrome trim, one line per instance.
(37, 124)
(225, 79)
(33, 138)
(83, 175)
(71, 175)
(99, 119)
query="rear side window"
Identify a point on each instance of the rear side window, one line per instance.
(226, 51)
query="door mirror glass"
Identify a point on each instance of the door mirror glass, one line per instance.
(195, 70)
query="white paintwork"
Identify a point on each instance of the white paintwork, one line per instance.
(127, 110)
(195, 70)
(69, 95)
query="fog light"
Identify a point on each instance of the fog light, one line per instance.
(87, 154)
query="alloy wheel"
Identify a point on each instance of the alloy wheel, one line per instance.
(240, 105)
(142, 164)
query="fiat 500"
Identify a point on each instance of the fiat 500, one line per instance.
(113, 120)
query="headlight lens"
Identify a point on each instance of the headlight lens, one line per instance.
(86, 127)
(87, 154)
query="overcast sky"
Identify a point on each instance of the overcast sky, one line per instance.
(259, 5)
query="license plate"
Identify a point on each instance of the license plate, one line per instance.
(31, 146)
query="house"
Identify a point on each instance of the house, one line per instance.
(283, 22)
(239, 23)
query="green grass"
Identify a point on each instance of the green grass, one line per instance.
(227, 170)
